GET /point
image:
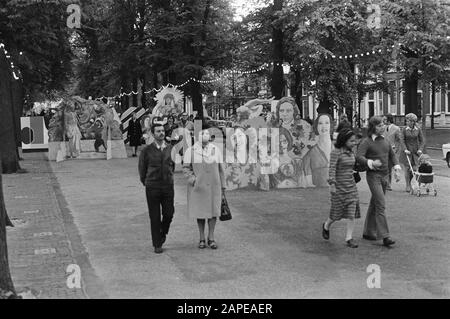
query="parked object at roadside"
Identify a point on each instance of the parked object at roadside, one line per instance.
(446, 153)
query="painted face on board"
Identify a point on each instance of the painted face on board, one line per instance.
(286, 112)
(323, 125)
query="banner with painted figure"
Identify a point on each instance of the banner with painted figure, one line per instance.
(316, 162)
(242, 164)
(169, 102)
(83, 119)
(296, 139)
(294, 154)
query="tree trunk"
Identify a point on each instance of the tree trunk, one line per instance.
(277, 40)
(325, 106)
(6, 284)
(433, 102)
(8, 126)
(298, 92)
(197, 103)
(17, 99)
(411, 82)
(135, 89)
(425, 101)
(144, 88)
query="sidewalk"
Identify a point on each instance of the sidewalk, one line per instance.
(44, 241)
(272, 248)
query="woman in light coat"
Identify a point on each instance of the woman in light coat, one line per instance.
(413, 143)
(203, 165)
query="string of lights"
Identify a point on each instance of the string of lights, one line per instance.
(11, 63)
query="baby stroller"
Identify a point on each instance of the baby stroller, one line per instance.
(422, 181)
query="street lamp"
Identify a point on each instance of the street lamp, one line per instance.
(286, 70)
(215, 104)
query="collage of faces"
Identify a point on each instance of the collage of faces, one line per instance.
(300, 160)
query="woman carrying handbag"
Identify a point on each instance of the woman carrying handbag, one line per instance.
(203, 166)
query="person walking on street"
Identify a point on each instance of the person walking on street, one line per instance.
(135, 133)
(156, 169)
(412, 142)
(203, 166)
(392, 135)
(344, 194)
(376, 155)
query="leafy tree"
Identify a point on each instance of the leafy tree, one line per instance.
(321, 32)
(420, 29)
(40, 32)
(156, 42)
(199, 39)
(36, 37)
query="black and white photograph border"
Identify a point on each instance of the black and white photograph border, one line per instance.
(102, 108)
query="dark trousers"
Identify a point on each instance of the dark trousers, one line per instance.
(160, 199)
(376, 223)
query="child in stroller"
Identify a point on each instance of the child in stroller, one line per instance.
(423, 178)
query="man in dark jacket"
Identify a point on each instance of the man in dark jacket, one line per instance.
(156, 169)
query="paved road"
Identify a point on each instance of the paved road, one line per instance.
(271, 249)
(440, 167)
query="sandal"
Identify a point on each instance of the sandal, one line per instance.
(212, 244)
(202, 244)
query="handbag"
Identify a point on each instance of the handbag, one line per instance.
(356, 170)
(225, 213)
(357, 177)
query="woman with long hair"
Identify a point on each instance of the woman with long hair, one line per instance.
(316, 162)
(344, 194)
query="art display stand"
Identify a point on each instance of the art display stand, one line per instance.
(57, 150)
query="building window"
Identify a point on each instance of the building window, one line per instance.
(402, 105)
(305, 109)
(447, 97)
(304, 92)
(438, 97)
(371, 95)
(392, 93)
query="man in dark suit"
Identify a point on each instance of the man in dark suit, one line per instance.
(156, 169)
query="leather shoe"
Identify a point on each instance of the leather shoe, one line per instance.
(351, 243)
(388, 242)
(325, 233)
(367, 237)
(158, 250)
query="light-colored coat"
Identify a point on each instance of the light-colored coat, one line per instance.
(392, 135)
(206, 178)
